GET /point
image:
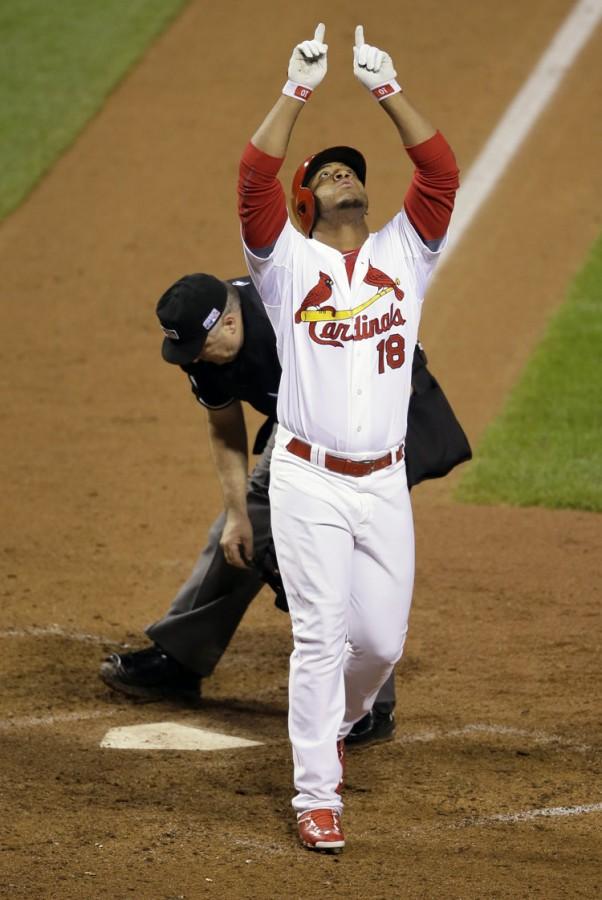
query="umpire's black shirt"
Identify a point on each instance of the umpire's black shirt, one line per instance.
(254, 375)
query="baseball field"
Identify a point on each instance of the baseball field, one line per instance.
(125, 130)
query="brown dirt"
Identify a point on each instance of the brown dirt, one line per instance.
(109, 489)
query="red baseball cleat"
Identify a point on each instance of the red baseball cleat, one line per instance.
(320, 829)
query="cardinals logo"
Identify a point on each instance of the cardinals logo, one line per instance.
(318, 295)
(333, 330)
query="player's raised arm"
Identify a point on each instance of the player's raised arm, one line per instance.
(306, 69)
(375, 70)
(261, 203)
(430, 198)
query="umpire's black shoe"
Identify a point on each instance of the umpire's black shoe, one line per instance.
(150, 674)
(372, 729)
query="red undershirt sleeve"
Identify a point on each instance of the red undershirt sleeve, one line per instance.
(261, 202)
(430, 198)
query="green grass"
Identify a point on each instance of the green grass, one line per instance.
(546, 447)
(59, 61)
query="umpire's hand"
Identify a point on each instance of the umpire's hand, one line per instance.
(237, 539)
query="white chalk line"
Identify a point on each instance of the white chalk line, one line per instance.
(58, 631)
(538, 737)
(525, 815)
(45, 721)
(546, 812)
(519, 118)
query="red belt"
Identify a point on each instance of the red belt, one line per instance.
(343, 466)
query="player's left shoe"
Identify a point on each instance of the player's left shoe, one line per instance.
(320, 829)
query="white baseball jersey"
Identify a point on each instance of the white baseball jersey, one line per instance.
(345, 349)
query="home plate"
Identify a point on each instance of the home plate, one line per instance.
(171, 736)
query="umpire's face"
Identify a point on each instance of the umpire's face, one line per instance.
(224, 340)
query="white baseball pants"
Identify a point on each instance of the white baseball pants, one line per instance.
(345, 548)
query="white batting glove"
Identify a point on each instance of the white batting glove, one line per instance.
(307, 66)
(374, 68)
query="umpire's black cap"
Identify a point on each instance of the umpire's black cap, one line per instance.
(187, 311)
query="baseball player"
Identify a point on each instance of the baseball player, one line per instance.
(345, 304)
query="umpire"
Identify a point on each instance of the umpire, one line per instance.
(219, 334)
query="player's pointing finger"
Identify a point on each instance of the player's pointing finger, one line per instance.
(359, 36)
(320, 32)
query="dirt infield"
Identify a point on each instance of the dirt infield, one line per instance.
(492, 785)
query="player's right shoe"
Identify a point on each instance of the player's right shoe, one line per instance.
(320, 829)
(150, 674)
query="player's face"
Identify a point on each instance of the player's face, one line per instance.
(336, 186)
(223, 342)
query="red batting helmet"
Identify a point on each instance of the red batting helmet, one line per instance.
(304, 203)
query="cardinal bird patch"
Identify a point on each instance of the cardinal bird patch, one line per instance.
(376, 278)
(318, 295)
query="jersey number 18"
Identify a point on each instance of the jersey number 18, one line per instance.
(391, 352)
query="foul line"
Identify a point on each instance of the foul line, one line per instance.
(37, 721)
(546, 812)
(526, 815)
(58, 631)
(519, 118)
(538, 737)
